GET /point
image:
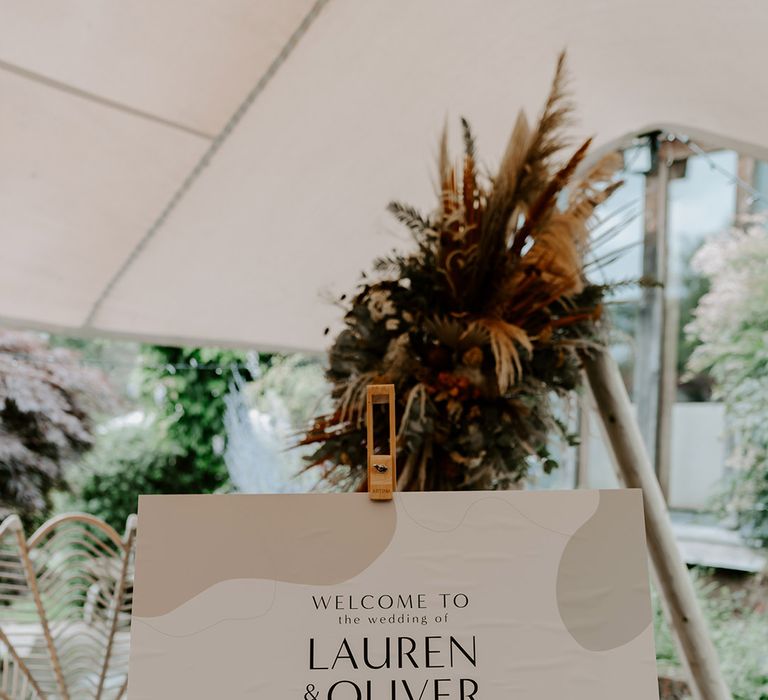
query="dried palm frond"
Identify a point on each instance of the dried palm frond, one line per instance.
(449, 194)
(557, 255)
(455, 333)
(505, 339)
(482, 324)
(597, 184)
(521, 182)
(550, 138)
(512, 167)
(546, 202)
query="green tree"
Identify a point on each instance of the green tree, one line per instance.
(187, 388)
(48, 404)
(179, 446)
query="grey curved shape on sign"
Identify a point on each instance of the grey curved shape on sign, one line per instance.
(333, 538)
(602, 581)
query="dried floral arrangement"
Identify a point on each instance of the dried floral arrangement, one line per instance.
(480, 326)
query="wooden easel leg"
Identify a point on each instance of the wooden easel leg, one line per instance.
(635, 469)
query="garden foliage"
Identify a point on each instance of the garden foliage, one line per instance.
(730, 326)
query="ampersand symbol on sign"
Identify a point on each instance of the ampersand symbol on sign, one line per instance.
(311, 694)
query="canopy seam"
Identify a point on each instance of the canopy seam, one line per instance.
(206, 158)
(98, 99)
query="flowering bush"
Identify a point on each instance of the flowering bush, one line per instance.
(731, 325)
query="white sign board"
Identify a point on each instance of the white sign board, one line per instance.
(433, 596)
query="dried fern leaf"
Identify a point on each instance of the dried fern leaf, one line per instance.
(408, 215)
(469, 188)
(469, 139)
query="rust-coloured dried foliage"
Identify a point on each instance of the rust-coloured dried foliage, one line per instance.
(482, 324)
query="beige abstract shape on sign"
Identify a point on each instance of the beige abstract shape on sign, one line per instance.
(602, 582)
(236, 540)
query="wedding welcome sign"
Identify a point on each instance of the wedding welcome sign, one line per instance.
(432, 596)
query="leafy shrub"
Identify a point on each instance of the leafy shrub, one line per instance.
(126, 462)
(738, 629)
(48, 401)
(731, 326)
(186, 387)
(178, 447)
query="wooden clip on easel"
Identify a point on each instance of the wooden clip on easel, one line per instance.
(382, 467)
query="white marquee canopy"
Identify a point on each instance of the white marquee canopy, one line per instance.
(209, 171)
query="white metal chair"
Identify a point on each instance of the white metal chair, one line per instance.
(65, 609)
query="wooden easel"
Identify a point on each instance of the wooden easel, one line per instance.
(636, 471)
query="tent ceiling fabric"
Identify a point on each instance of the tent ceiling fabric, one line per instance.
(212, 172)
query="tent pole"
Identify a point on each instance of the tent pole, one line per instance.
(649, 369)
(675, 584)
